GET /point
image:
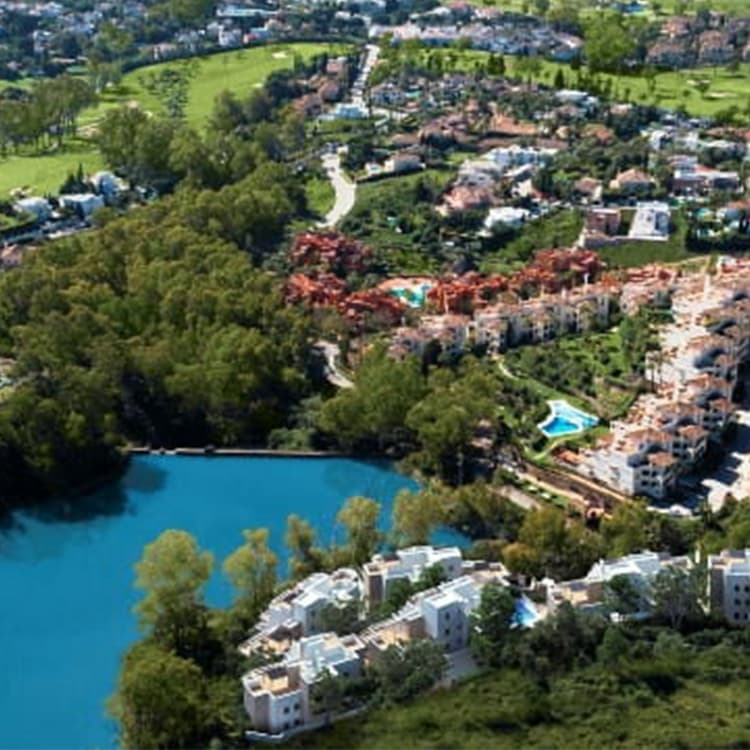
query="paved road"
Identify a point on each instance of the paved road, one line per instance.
(344, 188)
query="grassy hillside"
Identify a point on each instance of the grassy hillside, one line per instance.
(236, 71)
(507, 710)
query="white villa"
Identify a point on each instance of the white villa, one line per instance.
(277, 697)
(295, 613)
(440, 614)
(409, 563)
(588, 593)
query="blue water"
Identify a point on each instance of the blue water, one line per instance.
(67, 586)
(566, 420)
(413, 297)
(525, 615)
(560, 426)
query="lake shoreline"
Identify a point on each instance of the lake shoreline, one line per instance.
(235, 452)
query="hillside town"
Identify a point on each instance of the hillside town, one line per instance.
(440, 311)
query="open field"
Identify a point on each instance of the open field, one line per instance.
(237, 71)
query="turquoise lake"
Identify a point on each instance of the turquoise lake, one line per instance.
(67, 585)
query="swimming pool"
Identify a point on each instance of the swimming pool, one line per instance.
(412, 296)
(566, 420)
(526, 615)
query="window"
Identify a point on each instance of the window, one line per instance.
(447, 616)
(737, 602)
(286, 709)
(447, 632)
(296, 706)
(286, 725)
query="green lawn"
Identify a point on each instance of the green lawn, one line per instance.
(320, 195)
(44, 173)
(558, 229)
(672, 89)
(591, 368)
(632, 254)
(237, 71)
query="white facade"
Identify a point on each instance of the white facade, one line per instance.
(277, 697)
(84, 203)
(639, 568)
(39, 208)
(650, 222)
(296, 611)
(441, 614)
(729, 585)
(408, 564)
(666, 433)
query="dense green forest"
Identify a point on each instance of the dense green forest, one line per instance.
(159, 328)
(151, 331)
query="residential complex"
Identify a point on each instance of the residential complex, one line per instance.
(666, 432)
(440, 614)
(279, 697)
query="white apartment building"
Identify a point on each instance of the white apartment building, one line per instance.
(277, 697)
(588, 593)
(505, 325)
(296, 612)
(407, 564)
(441, 614)
(729, 585)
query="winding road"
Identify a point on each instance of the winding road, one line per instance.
(343, 187)
(345, 190)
